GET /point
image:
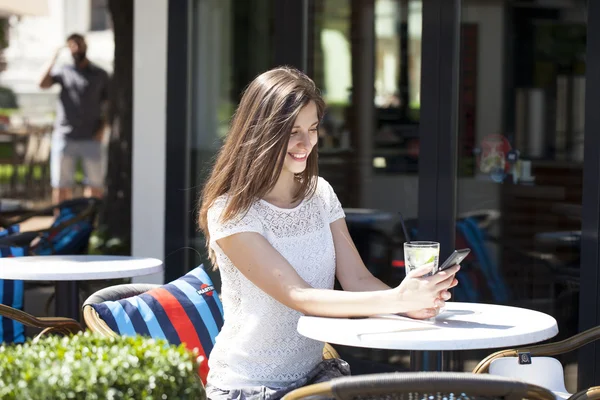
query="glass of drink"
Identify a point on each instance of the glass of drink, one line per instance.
(419, 253)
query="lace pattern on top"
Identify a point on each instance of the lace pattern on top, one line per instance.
(258, 344)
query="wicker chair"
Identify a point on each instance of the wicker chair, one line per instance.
(48, 325)
(41, 242)
(587, 394)
(422, 385)
(84, 208)
(546, 350)
(118, 292)
(59, 325)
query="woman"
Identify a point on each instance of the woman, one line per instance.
(277, 233)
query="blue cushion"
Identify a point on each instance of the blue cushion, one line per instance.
(11, 294)
(10, 230)
(73, 239)
(187, 310)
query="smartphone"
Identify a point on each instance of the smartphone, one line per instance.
(455, 258)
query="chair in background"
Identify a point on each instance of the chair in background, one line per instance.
(535, 363)
(487, 274)
(546, 372)
(12, 317)
(329, 352)
(480, 278)
(70, 231)
(557, 294)
(12, 291)
(422, 385)
(64, 326)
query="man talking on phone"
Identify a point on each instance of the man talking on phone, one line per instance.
(80, 121)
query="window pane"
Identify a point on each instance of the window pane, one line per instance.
(231, 44)
(521, 157)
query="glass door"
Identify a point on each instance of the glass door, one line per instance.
(520, 158)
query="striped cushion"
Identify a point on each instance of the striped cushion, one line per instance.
(11, 294)
(10, 230)
(73, 239)
(187, 310)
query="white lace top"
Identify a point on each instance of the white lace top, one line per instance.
(258, 344)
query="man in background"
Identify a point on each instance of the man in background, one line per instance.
(80, 121)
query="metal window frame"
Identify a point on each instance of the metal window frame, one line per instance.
(438, 135)
(292, 42)
(589, 295)
(438, 128)
(178, 219)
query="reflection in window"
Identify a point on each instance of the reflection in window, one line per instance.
(332, 70)
(397, 86)
(387, 55)
(398, 55)
(397, 80)
(415, 14)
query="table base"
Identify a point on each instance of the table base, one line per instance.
(66, 298)
(429, 361)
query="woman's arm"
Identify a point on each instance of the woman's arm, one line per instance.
(354, 276)
(264, 266)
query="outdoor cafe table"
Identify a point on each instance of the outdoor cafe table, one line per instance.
(460, 326)
(66, 271)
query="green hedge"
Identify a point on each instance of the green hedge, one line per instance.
(86, 366)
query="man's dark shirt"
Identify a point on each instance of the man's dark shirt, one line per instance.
(79, 109)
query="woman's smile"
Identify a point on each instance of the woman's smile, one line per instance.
(298, 156)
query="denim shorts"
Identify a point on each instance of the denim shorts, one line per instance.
(325, 371)
(64, 156)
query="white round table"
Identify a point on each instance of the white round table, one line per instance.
(67, 270)
(460, 326)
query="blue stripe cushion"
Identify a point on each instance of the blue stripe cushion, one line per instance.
(73, 239)
(11, 294)
(187, 310)
(10, 230)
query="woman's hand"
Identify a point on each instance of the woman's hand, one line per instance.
(425, 313)
(422, 295)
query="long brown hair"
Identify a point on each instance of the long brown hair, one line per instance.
(251, 159)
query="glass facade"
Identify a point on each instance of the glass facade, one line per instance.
(520, 157)
(517, 186)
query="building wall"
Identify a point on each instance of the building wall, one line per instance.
(149, 131)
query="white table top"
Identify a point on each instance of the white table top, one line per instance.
(460, 326)
(77, 268)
